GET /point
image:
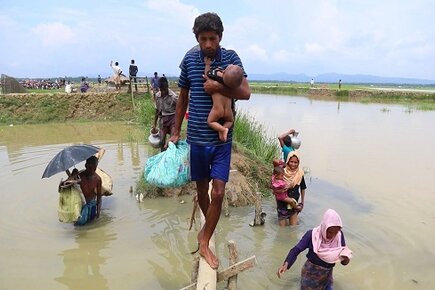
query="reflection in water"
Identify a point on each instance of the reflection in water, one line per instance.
(83, 264)
(169, 240)
(58, 136)
(134, 149)
(120, 153)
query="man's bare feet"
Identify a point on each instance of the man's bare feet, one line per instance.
(223, 135)
(199, 238)
(208, 256)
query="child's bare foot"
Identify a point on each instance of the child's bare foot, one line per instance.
(223, 135)
(209, 257)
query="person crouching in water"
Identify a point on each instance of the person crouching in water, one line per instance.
(326, 246)
(90, 185)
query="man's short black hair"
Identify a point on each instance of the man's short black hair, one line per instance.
(163, 83)
(93, 160)
(208, 22)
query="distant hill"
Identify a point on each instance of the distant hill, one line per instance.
(334, 77)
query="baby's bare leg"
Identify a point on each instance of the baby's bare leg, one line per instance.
(218, 112)
(228, 113)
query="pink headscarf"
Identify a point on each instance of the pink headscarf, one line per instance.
(331, 250)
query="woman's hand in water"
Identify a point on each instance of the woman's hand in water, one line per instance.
(282, 270)
(300, 207)
(344, 260)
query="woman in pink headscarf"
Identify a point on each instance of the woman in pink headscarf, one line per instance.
(326, 246)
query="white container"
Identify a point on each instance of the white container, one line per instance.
(296, 142)
(154, 138)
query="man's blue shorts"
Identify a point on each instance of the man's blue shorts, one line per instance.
(88, 213)
(210, 162)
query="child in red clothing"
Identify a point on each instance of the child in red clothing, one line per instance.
(280, 187)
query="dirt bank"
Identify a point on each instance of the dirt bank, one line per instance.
(61, 107)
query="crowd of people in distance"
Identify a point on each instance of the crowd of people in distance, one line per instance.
(43, 84)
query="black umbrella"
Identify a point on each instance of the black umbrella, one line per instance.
(69, 157)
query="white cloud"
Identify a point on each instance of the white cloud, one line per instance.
(314, 48)
(382, 38)
(55, 34)
(256, 52)
(175, 8)
(280, 56)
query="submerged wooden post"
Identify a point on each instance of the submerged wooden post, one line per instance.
(259, 214)
(233, 259)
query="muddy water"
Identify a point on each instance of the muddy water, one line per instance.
(372, 163)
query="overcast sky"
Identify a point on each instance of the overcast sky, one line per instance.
(392, 38)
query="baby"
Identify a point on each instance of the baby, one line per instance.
(280, 187)
(73, 178)
(232, 78)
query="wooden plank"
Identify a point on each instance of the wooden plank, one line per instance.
(206, 275)
(237, 268)
(233, 259)
(228, 272)
(195, 267)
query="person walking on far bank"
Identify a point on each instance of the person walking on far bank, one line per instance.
(117, 71)
(155, 84)
(132, 72)
(209, 156)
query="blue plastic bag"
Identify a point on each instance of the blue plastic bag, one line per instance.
(169, 168)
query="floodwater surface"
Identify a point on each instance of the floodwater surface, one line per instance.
(371, 163)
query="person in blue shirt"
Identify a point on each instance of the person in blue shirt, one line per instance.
(285, 141)
(209, 156)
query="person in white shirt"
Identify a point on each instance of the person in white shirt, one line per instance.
(117, 71)
(68, 88)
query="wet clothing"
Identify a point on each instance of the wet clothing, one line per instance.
(307, 243)
(88, 213)
(278, 188)
(210, 162)
(323, 253)
(281, 206)
(316, 273)
(316, 277)
(200, 103)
